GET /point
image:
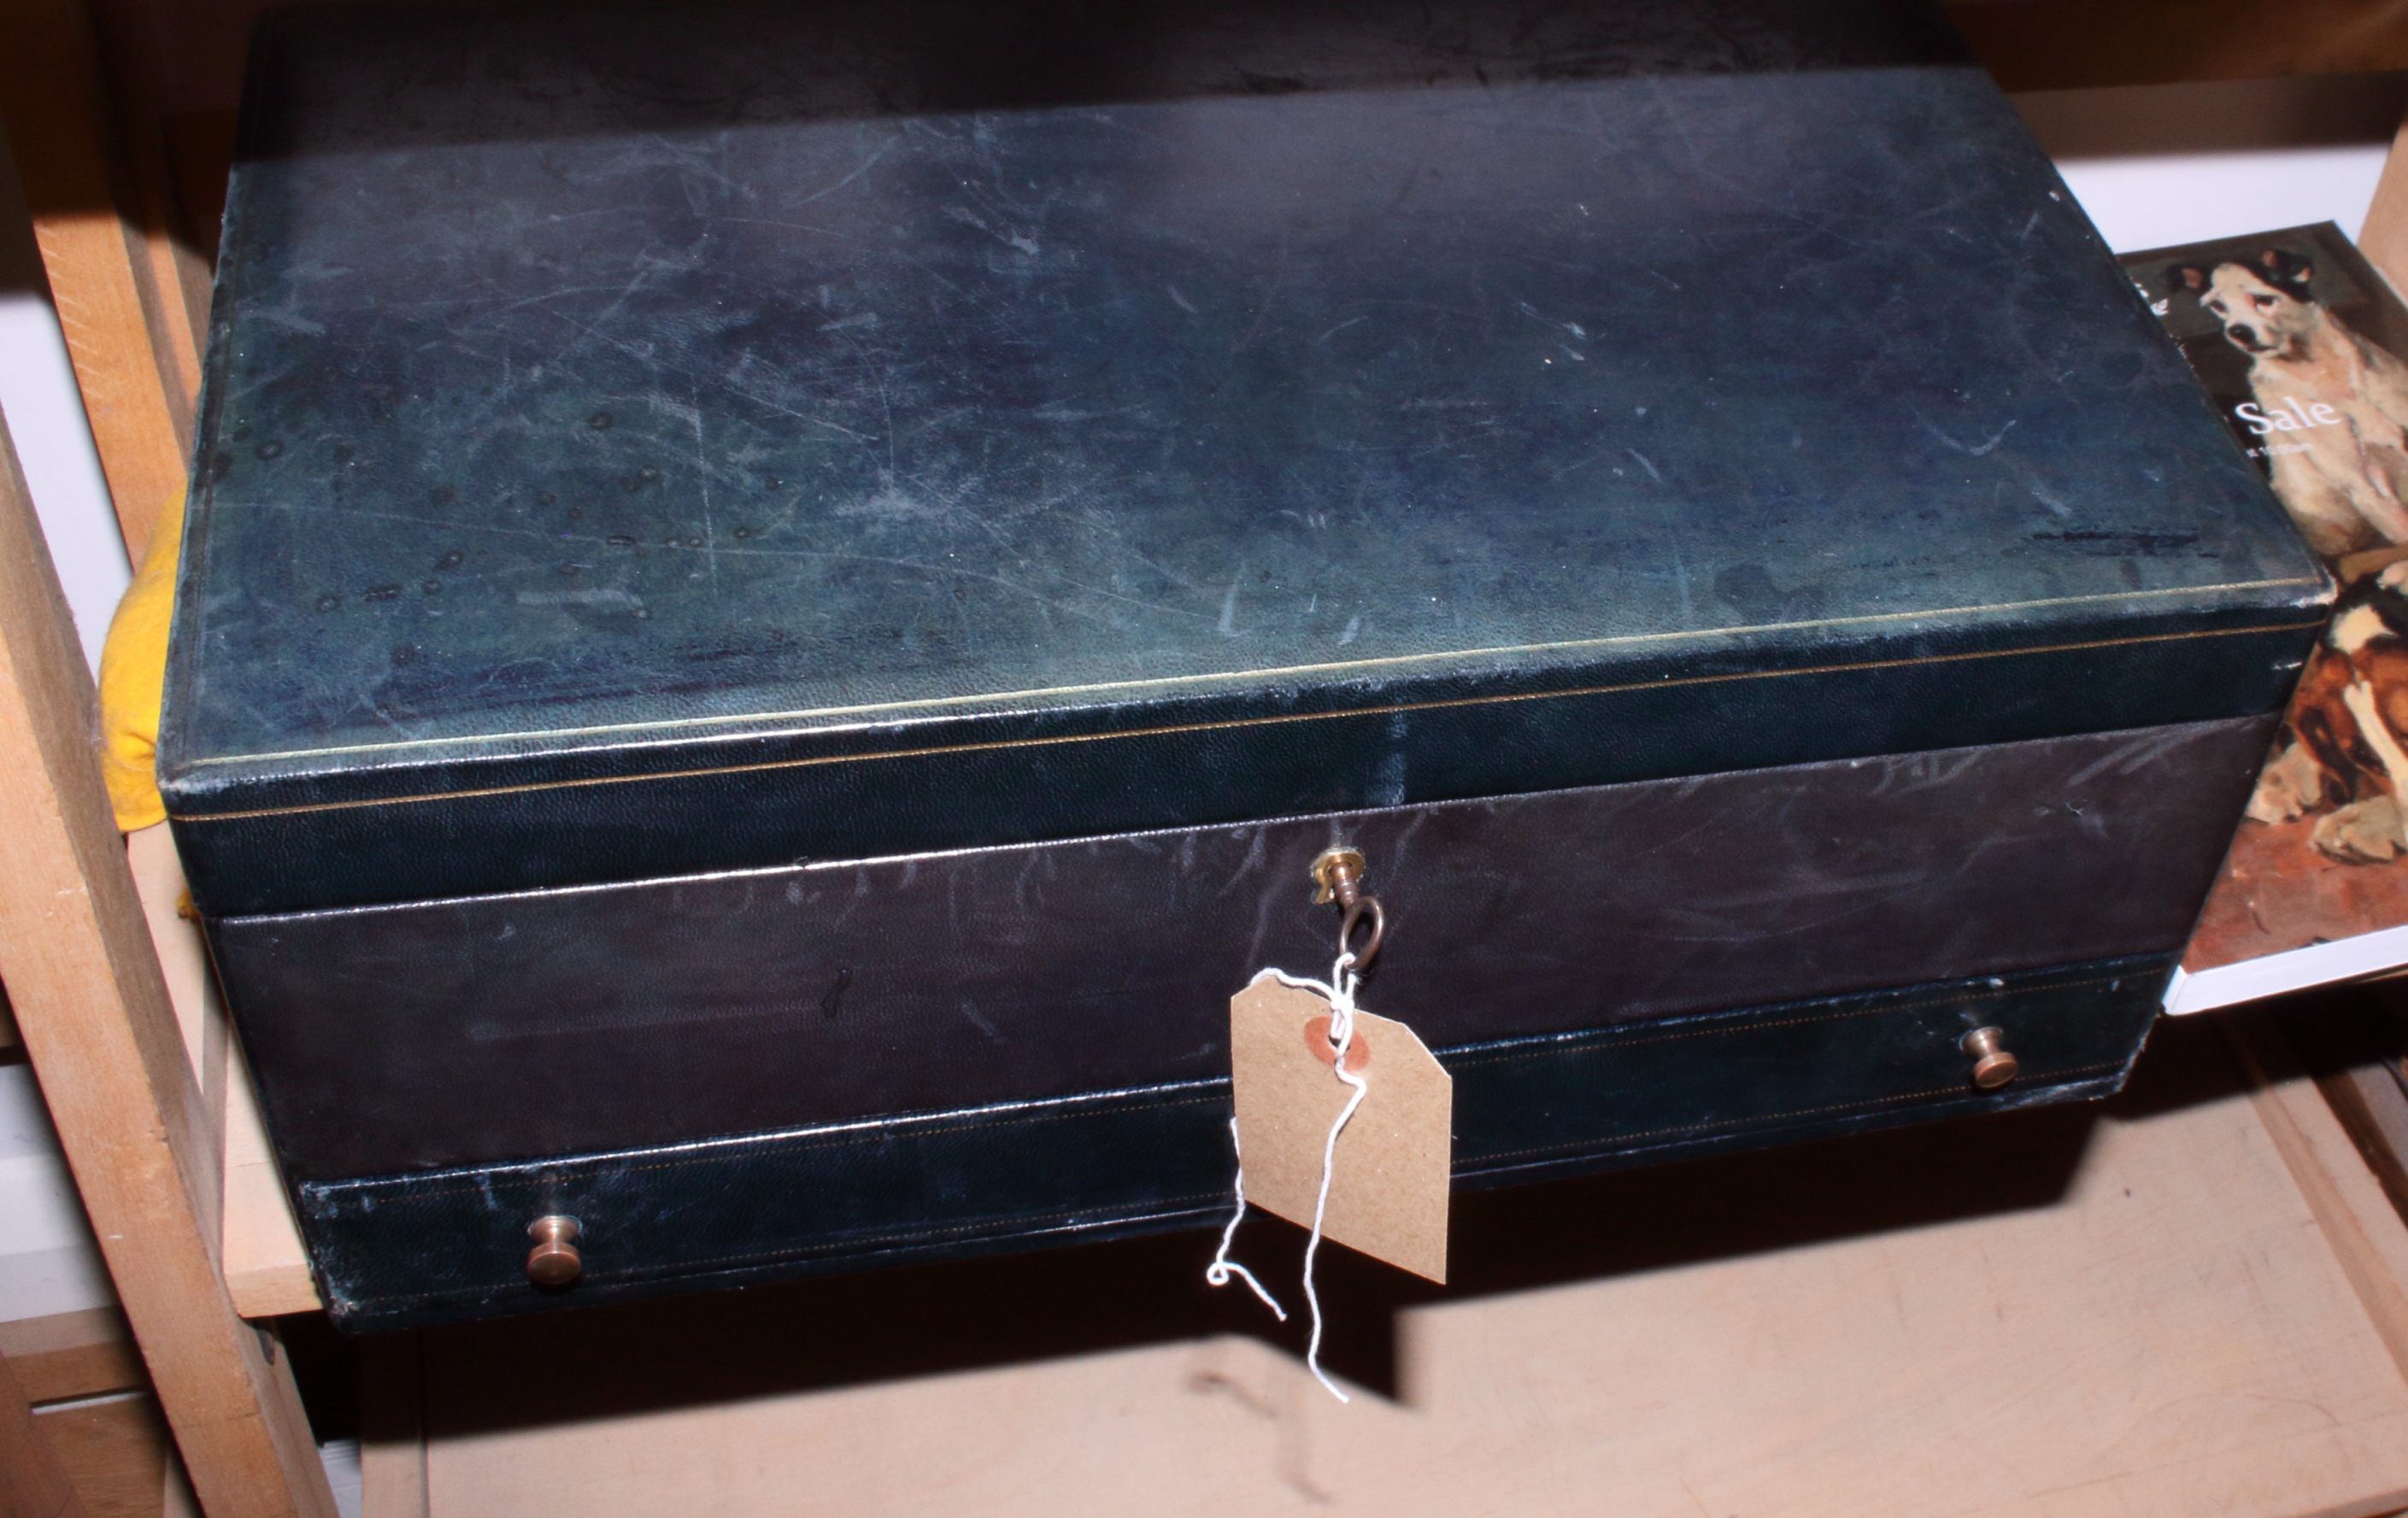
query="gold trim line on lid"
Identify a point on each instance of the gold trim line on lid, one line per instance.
(1232, 724)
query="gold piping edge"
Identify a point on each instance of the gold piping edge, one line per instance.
(1276, 672)
(1000, 744)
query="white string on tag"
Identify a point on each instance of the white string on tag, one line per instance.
(1222, 1267)
(1340, 990)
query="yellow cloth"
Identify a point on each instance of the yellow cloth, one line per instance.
(133, 676)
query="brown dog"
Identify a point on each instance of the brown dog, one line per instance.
(2341, 755)
(2332, 407)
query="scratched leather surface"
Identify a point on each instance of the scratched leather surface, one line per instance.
(394, 1252)
(600, 409)
(394, 1038)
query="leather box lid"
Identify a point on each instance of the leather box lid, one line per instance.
(601, 396)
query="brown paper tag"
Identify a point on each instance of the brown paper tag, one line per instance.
(1387, 1194)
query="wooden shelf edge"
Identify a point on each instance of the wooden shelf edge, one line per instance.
(90, 1352)
(260, 1251)
(2345, 1196)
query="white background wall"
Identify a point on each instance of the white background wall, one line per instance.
(38, 396)
(2152, 165)
(49, 1262)
(2161, 164)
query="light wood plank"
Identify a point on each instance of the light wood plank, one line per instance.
(138, 71)
(93, 1006)
(34, 1481)
(183, 959)
(261, 1257)
(128, 333)
(114, 1451)
(2369, 1103)
(266, 1271)
(2342, 1192)
(69, 1354)
(393, 1433)
(2142, 1321)
(2084, 44)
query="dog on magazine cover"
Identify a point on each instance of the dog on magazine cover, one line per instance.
(2339, 758)
(2331, 406)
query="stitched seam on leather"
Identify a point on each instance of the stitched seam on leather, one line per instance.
(1198, 1196)
(1778, 1117)
(802, 1252)
(1510, 1056)
(490, 1183)
(919, 1234)
(1193, 727)
(1607, 1039)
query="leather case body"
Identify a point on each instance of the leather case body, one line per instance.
(903, 1059)
(776, 601)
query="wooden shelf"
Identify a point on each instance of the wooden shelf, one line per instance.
(2188, 1302)
(260, 1255)
(2133, 1315)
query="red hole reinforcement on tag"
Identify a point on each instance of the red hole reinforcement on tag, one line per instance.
(1316, 1038)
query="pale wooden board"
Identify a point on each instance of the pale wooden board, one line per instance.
(266, 1271)
(392, 1443)
(92, 1005)
(2022, 1314)
(139, 73)
(260, 1253)
(2343, 1191)
(72, 1355)
(128, 330)
(34, 1481)
(2084, 44)
(192, 990)
(114, 1451)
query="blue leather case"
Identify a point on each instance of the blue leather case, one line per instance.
(670, 479)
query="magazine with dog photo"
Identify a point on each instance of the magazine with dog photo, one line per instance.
(2299, 342)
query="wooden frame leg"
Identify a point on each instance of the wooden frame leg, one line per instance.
(93, 1009)
(123, 299)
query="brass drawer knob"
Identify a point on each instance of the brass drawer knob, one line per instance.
(554, 1260)
(1993, 1067)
